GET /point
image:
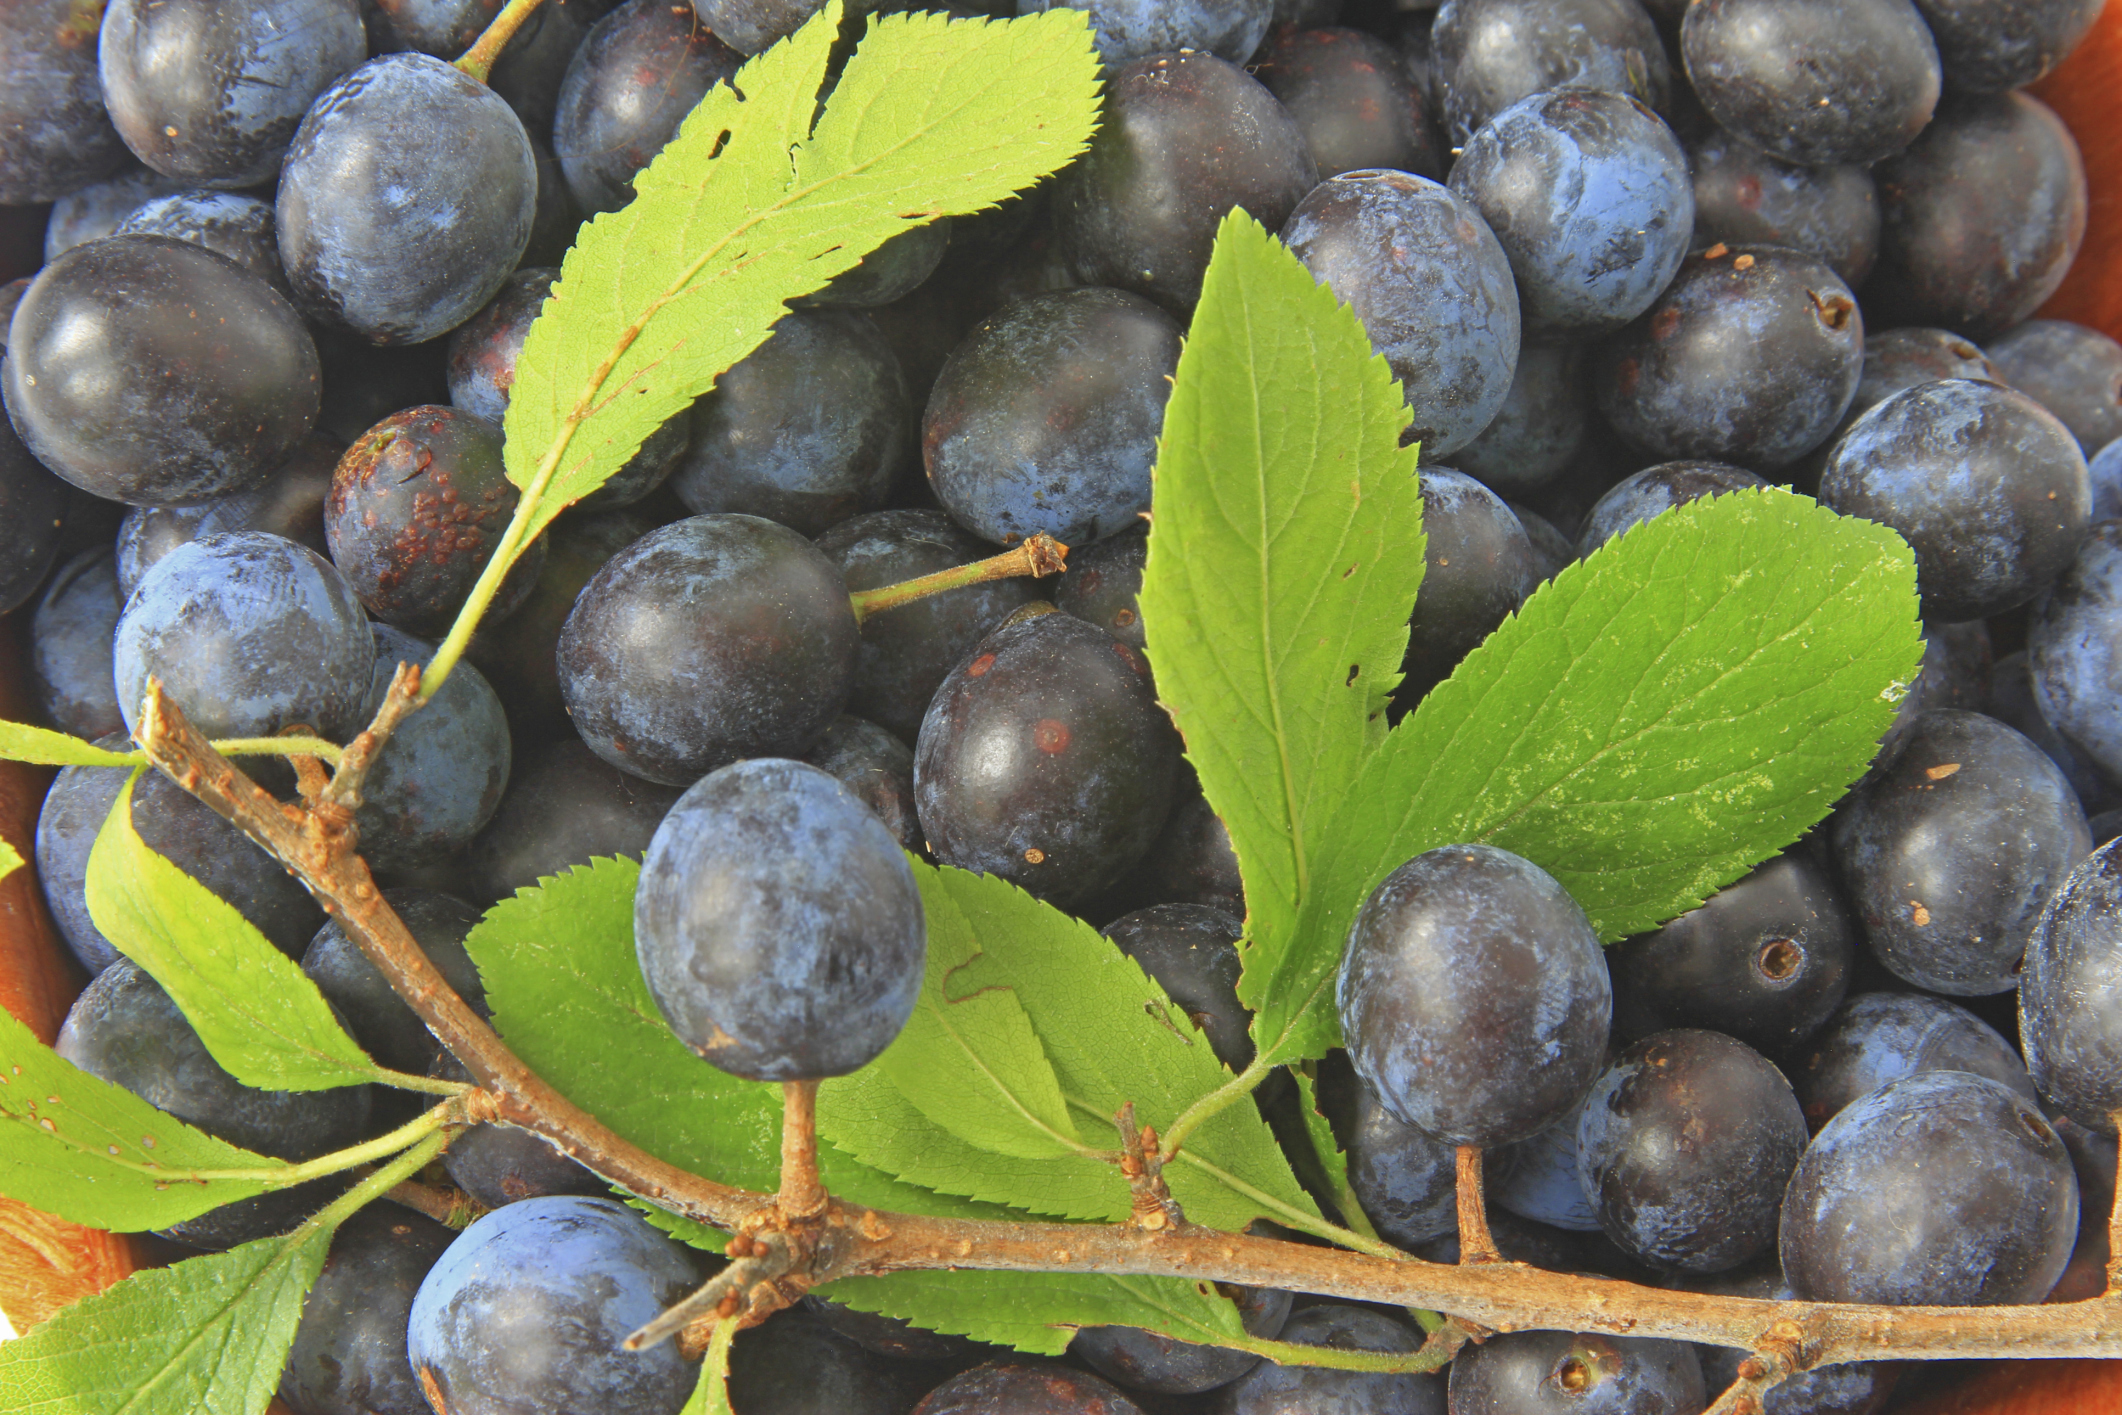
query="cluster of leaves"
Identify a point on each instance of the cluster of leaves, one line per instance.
(1655, 721)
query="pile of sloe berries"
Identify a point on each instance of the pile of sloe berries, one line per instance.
(1621, 253)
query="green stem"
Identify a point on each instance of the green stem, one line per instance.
(1289, 1353)
(488, 585)
(478, 61)
(419, 1128)
(1294, 1217)
(427, 1085)
(378, 1184)
(1211, 1105)
(1040, 556)
(277, 747)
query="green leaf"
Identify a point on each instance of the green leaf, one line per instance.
(972, 1063)
(10, 859)
(20, 742)
(750, 206)
(567, 994)
(1284, 558)
(254, 1008)
(1656, 721)
(97, 1154)
(1040, 1312)
(1328, 1160)
(209, 1334)
(1105, 1026)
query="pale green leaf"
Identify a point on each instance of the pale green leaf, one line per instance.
(1104, 1024)
(10, 859)
(567, 995)
(207, 1335)
(1657, 720)
(1284, 558)
(97, 1154)
(20, 742)
(972, 1064)
(1328, 1162)
(871, 1119)
(748, 207)
(253, 1007)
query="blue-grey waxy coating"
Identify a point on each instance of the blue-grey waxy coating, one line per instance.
(124, 1029)
(1355, 101)
(778, 924)
(1492, 53)
(1045, 759)
(249, 633)
(2073, 371)
(1270, 1389)
(1986, 485)
(1685, 1144)
(348, 1357)
(226, 223)
(32, 511)
(1145, 1360)
(1023, 1386)
(565, 806)
(99, 209)
(749, 26)
(526, 1310)
(406, 200)
(1940, 1189)
(1185, 138)
(1191, 950)
(1405, 1180)
(708, 640)
(1542, 423)
(1877, 1037)
(2070, 994)
(1046, 417)
(2075, 651)
(1950, 855)
(440, 777)
(1539, 1178)
(55, 134)
(1479, 569)
(1654, 491)
(1745, 197)
(1819, 82)
(1473, 996)
(1136, 29)
(291, 504)
(1589, 194)
(1988, 46)
(1421, 269)
(70, 638)
(1980, 218)
(877, 767)
(807, 430)
(628, 87)
(152, 371)
(212, 91)
(1751, 356)
(1626, 1375)
(376, 1017)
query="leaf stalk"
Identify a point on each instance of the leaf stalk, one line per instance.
(478, 61)
(1036, 558)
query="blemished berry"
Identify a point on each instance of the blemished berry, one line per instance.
(528, 1307)
(1557, 1373)
(877, 767)
(1357, 106)
(1024, 1387)
(1103, 584)
(778, 924)
(641, 70)
(59, 134)
(1473, 996)
(1191, 951)
(1941, 1189)
(1045, 759)
(708, 640)
(1950, 854)
(1744, 197)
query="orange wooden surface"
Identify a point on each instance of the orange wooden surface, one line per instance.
(2086, 92)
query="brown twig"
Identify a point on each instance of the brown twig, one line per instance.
(1153, 1209)
(850, 1240)
(802, 1196)
(1476, 1243)
(343, 792)
(1777, 1357)
(2114, 1220)
(452, 1208)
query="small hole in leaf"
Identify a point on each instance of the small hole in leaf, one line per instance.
(1353, 670)
(721, 141)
